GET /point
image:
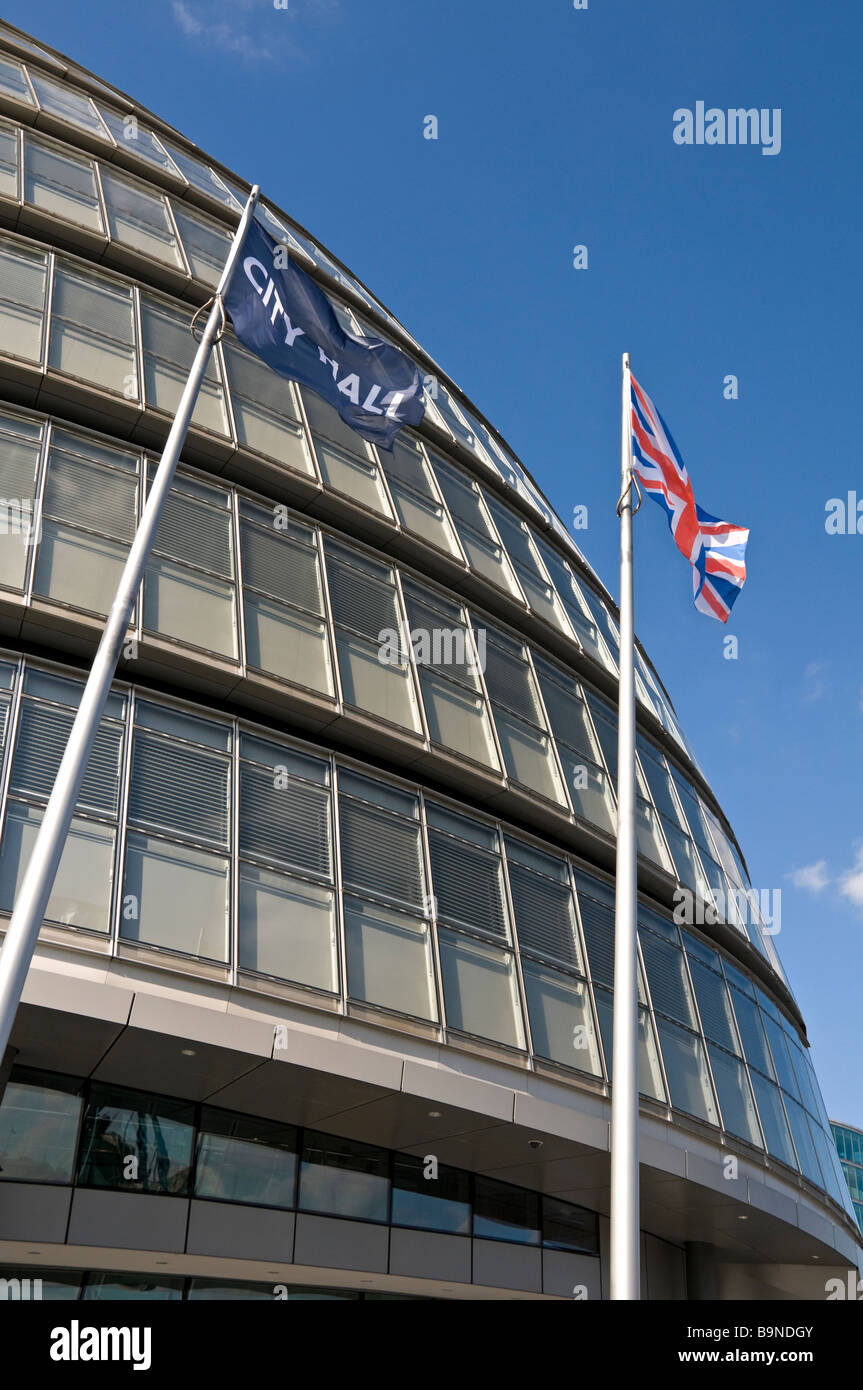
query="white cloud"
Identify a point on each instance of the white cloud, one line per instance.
(814, 685)
(246, 28)
(813, 877)
(851, 882)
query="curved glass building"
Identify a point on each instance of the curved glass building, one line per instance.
(322, 1003)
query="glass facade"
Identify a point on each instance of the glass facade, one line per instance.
(362, 752)
(849, 1145)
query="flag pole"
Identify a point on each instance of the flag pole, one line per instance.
(35, 891)
(625, 1224)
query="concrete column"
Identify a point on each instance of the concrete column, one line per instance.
(702, 1275)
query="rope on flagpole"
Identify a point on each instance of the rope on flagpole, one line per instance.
(213, 300)
(626, 491)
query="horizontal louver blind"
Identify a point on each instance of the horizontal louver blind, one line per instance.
(544, 915)
(597, 920)
(359, 601)
(289, 825)
(568, 718)
(179, 789)
(42, 738)
(406, 465)
(90, 496)
(18, 461)
(278, 566)
(509, 683)
(445, 645)
(467, 885)
(712, 997)
(381, 853)
(193, 532)
(666, 978)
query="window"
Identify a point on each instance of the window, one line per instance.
(132, 137)
(23, 278)
(81, 896)
(567, 1227)
(532, 577)
(650, 1082)
(283, 605)
(415, 495)
(665, 966)
(200, 176)
(92, 332)
(136, 1142)
(735, 1095)
(570, 593)
(139, 219)
(480, 989)
(346, 460)
(13, 83)
(673, 822)
(88, 522)
(448, 662)
(20, 450)
(75, 109)
(586, 778)
(287, 921)
(389, 959)
(365, 611)
(169, 351)
(478, 537)
(686, 1069)
(39, 1118)
(467, 874)
(773, 1121)
(438, 1204)
(527, 748)
(561, 1021)
(342, 1178)
(175, 895)
(265, 410)
(503, 1212)
(246, 1160)
(189, 585)
(61, 184)
(121, 1287)
(714, 1006)
(206, 243)
(380, 841)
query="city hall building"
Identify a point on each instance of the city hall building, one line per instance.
(321, 1006)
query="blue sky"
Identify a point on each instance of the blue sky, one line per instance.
(555, 130)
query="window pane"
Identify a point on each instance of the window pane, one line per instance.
(389, 959)
(714, 1006)
(245, 1160)
(457, 719)
(650, 1081)
(544, 913)
(120, 1126)
(23, 278)
(67, 105)
(81, 896)
(63, 185)
(92, 332)
(38, 1131)
(168, 354)
(666, 978)
(566, 1227)
(284, 819)
(589, 790)
(120, 1287)
(439, 1203)
(139, 219)
(468, 885)
(686, 1069)
(190, 606)
(806, 1154)
(752, 1033)
(479, 988)
(384, 690)
(773, 1120)
(735, 1095)
(13, 82)
(381, 853)
(206, 244)
(502, 1212)
(175, 897)
(358, 478)
(561, 1023)
(287, 928)
(179, 788)
(527, 755)
(341, 1178)
(19, 461)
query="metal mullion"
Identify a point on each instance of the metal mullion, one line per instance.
(341, 946)
(233, 857)
(19, 169)
(431, 899)
(222, 374)
(488, 708)
(123, 823)
(100, 194)
(172, 223)
(15, 702)
(404, 624)
(239, 591)
(547, 730)
(382, 478)
(329, 621)
(510, 907)
(309, 438)
(39, 480)
(588, 974)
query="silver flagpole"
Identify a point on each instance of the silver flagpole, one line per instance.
(625, 1236)
(35, 890)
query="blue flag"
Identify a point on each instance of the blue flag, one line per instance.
(285, 318)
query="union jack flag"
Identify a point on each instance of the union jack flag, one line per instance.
(715, 549)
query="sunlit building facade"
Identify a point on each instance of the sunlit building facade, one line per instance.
(322, 1003)
(849, 1143)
